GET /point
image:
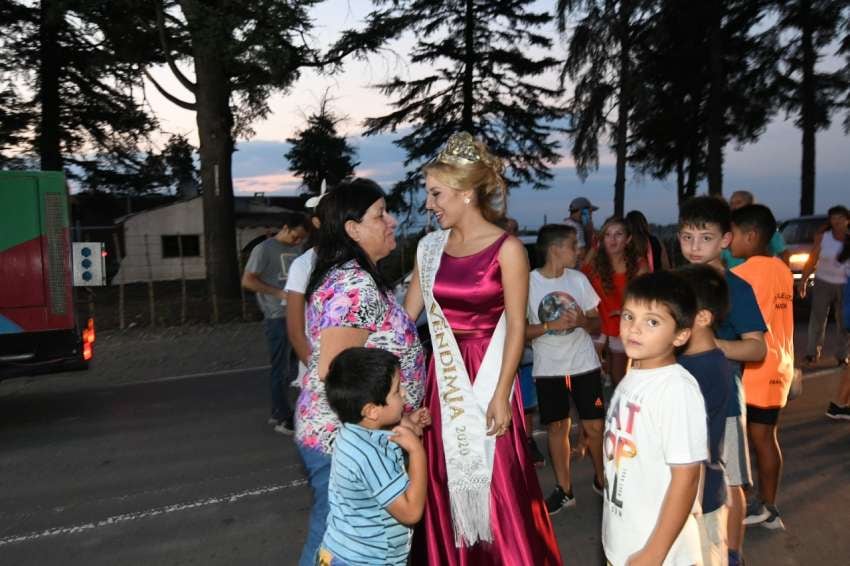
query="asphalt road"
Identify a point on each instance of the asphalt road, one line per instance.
(187, 472)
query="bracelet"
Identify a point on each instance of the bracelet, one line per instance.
(545, 327)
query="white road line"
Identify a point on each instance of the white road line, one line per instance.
(191, 376)
(156, 511)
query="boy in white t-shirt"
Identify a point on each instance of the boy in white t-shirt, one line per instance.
(656, 437)
(561, 315)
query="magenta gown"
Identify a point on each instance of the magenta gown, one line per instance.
(469, 290)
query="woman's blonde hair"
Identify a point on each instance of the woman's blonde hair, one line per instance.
(466, 164)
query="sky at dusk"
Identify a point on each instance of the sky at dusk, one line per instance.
(769, 168)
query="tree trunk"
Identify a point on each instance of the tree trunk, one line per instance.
(715, 101)
(215, 131)
(622, 111)
(807, 111)
(680, 181)
(469, 66)
(49, 139)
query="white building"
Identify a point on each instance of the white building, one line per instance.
(154, 238)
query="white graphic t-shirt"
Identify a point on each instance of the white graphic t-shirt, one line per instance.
(656, 419)
(568, 352)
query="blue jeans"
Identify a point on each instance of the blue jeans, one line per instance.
(318, 466)
(281, 354)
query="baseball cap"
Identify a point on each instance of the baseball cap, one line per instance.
(580, 202)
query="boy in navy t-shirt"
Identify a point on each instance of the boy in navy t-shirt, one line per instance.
(705, 230)
(707, 363)
(373, 501)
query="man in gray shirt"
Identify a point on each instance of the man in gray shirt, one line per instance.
(265, 275)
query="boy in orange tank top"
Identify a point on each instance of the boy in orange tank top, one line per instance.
(766, 383)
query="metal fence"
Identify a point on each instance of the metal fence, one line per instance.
(161, 279)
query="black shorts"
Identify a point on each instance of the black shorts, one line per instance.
(762, 416)
(553, 396)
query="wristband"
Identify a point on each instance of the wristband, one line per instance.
(545, 327)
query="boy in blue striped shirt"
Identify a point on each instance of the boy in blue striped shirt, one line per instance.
(373, 500)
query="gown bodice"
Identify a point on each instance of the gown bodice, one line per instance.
(469, 289)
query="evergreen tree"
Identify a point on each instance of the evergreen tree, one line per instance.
(319, 153)
(715, 85)
(481, 79)
(601, 64)
(135, 172)
(179, 157)
(810, 93)
(239, 53)
(76, 92)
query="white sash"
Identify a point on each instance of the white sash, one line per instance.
(468, 449)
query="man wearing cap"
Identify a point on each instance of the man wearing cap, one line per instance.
(581, 218)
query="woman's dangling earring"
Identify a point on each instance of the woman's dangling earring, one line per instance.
(467, 200)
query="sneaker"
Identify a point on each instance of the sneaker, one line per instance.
(598, 489)
(537, 457)
(559, 500)
(838, 413)
(757, 513)
(774, 521)
(286, 427)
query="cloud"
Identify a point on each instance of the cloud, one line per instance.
(279, 183)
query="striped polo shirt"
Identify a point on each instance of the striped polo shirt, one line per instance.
(367, 475)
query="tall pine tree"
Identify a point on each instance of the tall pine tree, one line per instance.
(238, 54)
(319, 153)
(600, 63)
(481, 77)
(810, 93)
(76, 90)
(712, 67)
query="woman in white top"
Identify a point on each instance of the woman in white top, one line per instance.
(830, 278)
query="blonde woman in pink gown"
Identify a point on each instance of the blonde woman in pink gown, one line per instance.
(473, 277)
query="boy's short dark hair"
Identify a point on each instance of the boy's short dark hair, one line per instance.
(700, 211)
(551, 234)
(292, 220)
(668, 289)
(709, 287)
(839, 209)
(357, 377)
(757, 218)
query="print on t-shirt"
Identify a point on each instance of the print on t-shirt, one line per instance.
(555, 305)
(285, 259)
(619, 444)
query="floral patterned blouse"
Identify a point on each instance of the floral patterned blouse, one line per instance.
(349, 297)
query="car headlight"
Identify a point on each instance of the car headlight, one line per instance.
(800, 259)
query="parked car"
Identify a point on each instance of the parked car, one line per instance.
(799, 235)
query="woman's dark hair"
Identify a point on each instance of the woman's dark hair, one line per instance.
(639, 228)
(602, 263)
(357, 377)
(347, 201)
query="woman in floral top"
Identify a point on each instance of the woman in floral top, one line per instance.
(350, 304)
